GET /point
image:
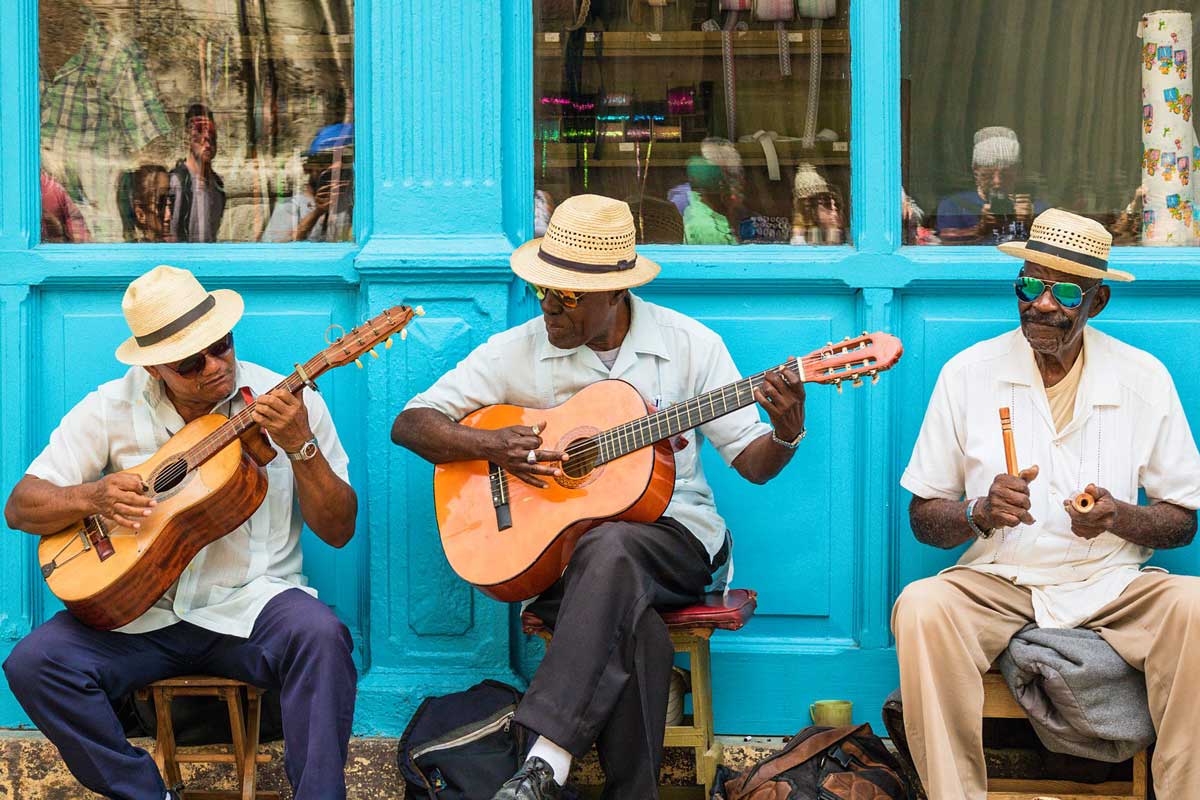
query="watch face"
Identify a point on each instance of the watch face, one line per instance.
(308, 450)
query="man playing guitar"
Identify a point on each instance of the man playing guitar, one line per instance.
(606, 673)
(241, 609)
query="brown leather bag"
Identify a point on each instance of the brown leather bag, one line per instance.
(847, 763)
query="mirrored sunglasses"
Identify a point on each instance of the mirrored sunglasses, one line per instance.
(1067, 295)
(568, 298)
(195, 362)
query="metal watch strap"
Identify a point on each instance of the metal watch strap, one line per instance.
(305, 452)
(793, 443)
(982, 534)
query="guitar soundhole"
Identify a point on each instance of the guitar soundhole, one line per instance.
(169, 476)
(580, 469)
(578, 466)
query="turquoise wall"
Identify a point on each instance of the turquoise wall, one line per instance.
(446, 180)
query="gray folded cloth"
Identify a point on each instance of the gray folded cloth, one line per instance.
(1081, 697)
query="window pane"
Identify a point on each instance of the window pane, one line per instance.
(196, 120)
(1013, 106)
(719, 122)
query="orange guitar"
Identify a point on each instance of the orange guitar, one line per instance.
(208, 479)
(512, 540)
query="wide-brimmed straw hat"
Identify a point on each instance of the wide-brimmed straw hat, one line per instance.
(1068, 243)
(172, 316)
(589, 246)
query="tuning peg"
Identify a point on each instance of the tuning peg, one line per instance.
(846, 339)
(864, 333)
(420, 311)
(373, 354)
(387, 344)
(857, 382)
(838, 384)
(358, 363)
(874, 377)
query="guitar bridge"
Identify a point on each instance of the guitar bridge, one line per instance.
(499, 482)
(95, 533)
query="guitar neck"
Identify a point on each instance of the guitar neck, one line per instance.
(674, 420)
(242, 421)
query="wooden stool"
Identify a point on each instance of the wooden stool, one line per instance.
(690, 630)
(998, 703)
(243, 724)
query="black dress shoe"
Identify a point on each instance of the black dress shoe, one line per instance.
(533, 781)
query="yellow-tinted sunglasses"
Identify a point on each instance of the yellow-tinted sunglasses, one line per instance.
(568, 298)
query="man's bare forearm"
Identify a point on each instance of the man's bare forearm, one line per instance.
(436, 438)
(39, 507)
(1160, 526)
(938, 522)
(328, 504)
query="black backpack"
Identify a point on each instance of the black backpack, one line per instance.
(818, 763)
(462, 746)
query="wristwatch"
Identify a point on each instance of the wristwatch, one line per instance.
(980, 532)
(792, 444)
(306, 451)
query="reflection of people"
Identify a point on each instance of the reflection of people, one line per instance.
(706, 220)
(320, 210)
(1089, 413)
(993, 211)
(198, 192)
(144, 198)
(243, 609)
(817, 209)
(61, 220)
(605, 675)
(99, 107)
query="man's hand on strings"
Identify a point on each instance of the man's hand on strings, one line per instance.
(781, 395)
(518, 450)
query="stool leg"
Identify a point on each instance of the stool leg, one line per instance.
(250, 760)
(1140, 771)
(237, 729)
(706, 754)
(164, 747)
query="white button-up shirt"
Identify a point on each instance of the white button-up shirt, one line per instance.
(1128, 431)
(666, 356)
(122, 424)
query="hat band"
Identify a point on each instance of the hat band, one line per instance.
(172, 328)
(1069, 255)
(580, 266)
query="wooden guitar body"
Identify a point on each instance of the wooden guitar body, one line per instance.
(108, 576)
(522, 560)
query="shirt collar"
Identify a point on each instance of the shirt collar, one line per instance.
(1101, 381)
(643, 336)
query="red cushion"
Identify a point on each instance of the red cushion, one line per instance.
(728, 612)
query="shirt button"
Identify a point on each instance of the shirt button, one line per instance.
(1057, 443)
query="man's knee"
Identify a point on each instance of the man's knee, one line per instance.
(607, 544)
(318, 631)
(28, 664)
(921, 602)
(1182, 597)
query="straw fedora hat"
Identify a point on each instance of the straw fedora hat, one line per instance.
(589, 246)
(172, 316)
(1068, 243)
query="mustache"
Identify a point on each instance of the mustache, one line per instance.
(1049, 320)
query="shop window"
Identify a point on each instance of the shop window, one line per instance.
(722, 122)
(1013, 106)
(196, 120)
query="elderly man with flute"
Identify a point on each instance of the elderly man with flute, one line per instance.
(1086, 415)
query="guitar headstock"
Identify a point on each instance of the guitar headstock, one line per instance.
(852, 359)
(352, 344)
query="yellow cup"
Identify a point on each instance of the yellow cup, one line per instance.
(833, 713)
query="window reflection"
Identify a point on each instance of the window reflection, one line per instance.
(244, 109)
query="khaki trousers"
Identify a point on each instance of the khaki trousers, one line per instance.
(951, 627)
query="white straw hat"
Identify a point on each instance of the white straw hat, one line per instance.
(808, 182)
(589, 246)
(996, 146)
(1068, 243)
(172, 316)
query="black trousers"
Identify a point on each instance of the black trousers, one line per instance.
(607, 672)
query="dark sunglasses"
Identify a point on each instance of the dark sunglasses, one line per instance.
(568, 298)
(195, 362)
(1067, 295)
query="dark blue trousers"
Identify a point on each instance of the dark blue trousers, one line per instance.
(65, 676)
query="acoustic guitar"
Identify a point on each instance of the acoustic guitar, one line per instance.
(207, 480)
(512, 540)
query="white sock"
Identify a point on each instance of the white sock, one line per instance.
(558, 759)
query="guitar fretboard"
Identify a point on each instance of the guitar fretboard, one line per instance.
(615, 442)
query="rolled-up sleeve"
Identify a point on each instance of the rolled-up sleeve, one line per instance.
(732, 433)
(476, 381)
(936, 468)
(78, 448)
(1172, 471)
